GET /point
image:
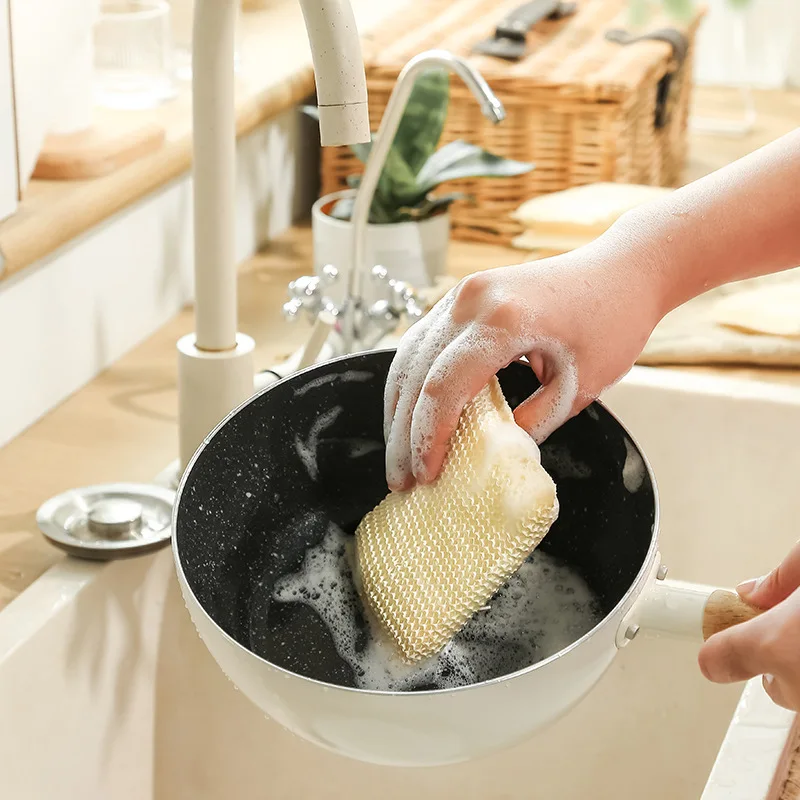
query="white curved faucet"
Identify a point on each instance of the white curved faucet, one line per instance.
(364, 325)
(215, 367)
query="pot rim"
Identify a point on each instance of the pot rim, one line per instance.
(633, 592)
(318, 212)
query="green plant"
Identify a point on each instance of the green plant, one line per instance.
(414, 167)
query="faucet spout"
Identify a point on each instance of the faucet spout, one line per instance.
(216, 371)
(338, 71)
(492, 109)
(342, 89)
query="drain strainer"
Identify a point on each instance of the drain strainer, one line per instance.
(113, 520)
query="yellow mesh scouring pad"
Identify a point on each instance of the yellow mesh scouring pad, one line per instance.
(428, 559)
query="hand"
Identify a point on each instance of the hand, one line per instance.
(768, 645)
(581, 319)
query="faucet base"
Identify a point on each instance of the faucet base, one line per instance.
(210, 385)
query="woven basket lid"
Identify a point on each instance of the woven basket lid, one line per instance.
(571, 56)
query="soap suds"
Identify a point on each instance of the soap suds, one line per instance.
(307, 450)
(350, 376)
(542, 609)
(362, 447)
(633, 470)
(432, 376)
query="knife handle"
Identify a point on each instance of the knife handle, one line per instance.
(517, 24)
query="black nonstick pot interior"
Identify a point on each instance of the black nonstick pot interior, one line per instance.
(309, 451)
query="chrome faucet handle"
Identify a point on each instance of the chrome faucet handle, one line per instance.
(306, 294)
(379, 274)
(401, 298)
(404, 300)
(330, 275)
(303, 296)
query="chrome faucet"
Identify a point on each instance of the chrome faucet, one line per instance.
(362, 326)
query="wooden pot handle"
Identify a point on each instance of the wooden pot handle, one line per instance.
(725, 609)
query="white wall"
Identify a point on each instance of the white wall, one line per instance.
(8, 150)
(769, 56)
(76, 312)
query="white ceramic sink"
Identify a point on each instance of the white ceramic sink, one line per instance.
(107, 692)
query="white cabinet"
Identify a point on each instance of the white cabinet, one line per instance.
(9, 179)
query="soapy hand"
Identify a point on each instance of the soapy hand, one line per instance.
(581, 320)
(768, 645)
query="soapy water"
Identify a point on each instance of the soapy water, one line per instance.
(542, 609)
(349, 376)
(307, 450)
(633, 470)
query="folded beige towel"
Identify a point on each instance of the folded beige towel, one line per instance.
(583, 211)
(754, 322)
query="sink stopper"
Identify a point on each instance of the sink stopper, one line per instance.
(108, 521)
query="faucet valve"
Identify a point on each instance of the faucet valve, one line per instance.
(404, 300)
(400, 298)
(307, 294)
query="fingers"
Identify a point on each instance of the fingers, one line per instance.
(775, 587)
(738, 653)
(408, 373)
(398, 370)
(555, 401)
(781, 693)
(458, 374)
(535, 415)
(767, 645)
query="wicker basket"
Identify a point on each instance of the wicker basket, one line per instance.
(582, 108)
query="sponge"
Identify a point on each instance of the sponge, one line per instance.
(430, 558)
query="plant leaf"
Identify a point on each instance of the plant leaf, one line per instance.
(397, 185)
(378, 213)
(432, 205)
(444, 158)
(342, 209)
(361, 151)
(481, 164)
(423, 119)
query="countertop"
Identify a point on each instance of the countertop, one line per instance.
(274, 75)
(122, 425)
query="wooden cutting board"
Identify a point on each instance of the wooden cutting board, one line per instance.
(98, 151)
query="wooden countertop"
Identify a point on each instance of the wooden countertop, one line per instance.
(275, 74)
(122, 425)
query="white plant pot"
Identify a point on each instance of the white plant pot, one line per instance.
(415, 252)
